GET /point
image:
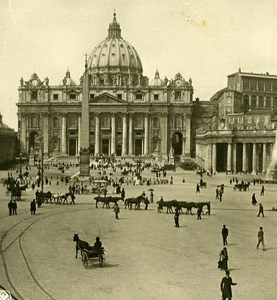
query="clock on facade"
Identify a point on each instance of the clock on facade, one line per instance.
(34, 82)
(178, 82)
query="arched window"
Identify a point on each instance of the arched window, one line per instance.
(178, 122)
(34, 121)
(118, 122)
(246, 102)
(275, 102)
(55, 122)
(261, 101)
(253, 101)
(156, 122)
(268, 102)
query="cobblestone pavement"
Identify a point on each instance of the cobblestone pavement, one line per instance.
(146, 256)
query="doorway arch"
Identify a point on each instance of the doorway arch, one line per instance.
(177, 143)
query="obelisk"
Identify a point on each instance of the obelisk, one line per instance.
(84, 149)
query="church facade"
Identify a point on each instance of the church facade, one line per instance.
(128, 114)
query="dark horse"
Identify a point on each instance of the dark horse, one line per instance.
(130, 201)
(80, 245)
(105, 200)
(115, 200)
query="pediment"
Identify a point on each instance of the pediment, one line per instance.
(106, 99)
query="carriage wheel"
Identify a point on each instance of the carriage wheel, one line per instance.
(84, 259)
(101, 260)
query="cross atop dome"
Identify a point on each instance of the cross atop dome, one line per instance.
(114, 30)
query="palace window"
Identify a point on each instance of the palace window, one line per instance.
(72, 96)
(267, 102)
(91, 96)
(253, 101)
(178, 95)
(156, 97)
(34, 95)
(56, 97)
(119, 96)
(138, 96)
(261, 101)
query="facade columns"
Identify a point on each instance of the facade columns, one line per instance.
(183, 146)
(254, 158)
(146, 135)
(229, 157)
(45, 133)
(113, 134)
(23, 136)
(97, 131)
(188, 131)
(208, 157)
(214, 158)
(124, 135)
(264, 158)
(235, 158)
(79, 133)
(63, 140)
(244, 158)
(164, 134)
(130, 134)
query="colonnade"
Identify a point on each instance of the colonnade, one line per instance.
(239, 157)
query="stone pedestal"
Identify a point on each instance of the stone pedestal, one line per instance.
(84, 163)
(171, 160)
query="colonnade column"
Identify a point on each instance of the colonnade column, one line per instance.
(164, 134)
(130, 134)
(146, 134)
(45, 133)
(63, 140)
(113, 135)
(23, 133)
(235, 158)
(244, 158)
(79, 133)
(214, 158)
(208, 165)
(183, 146)
(229, 157)
(97, 131)
(124, 135)
(264, 158)
(254, 158)
(187, 145)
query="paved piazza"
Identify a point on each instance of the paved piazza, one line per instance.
(146, 256)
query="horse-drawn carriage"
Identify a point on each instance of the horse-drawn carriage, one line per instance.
(88, 253)
(88, 256)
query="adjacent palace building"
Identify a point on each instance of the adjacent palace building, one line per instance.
(130, 115)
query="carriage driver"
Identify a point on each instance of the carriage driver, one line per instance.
(97, 245)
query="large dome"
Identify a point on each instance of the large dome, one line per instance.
(115, 56)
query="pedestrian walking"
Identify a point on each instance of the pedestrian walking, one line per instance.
(261, 210)
(151, 197)
(14, 208)
(220, 195)
(116, 210)
(217, 194)
(146, 202)
(208, 212)
(199, 212)
(33, 207)
(160, 205)
(176, 217)
(226, 286)
(262, 191)
(223, 259)
(261, 238)
(123, 194)
(254, 201)
(225, 233)
(197, 188)
(10, 206)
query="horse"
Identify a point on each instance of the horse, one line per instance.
(64, 197)
(168, 204)
(23, 188)
(56, 198)
(135, 200)
(105, 200)
(80, 245)
(115, 200)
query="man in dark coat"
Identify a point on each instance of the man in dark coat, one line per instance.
(224, 234)
(33, 207)
(225, 286)
(10, 206)
(176, 217)
(14, 208)
(261, 210)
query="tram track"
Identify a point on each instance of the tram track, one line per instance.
(16, 244)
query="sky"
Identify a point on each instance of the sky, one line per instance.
(204, 40)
